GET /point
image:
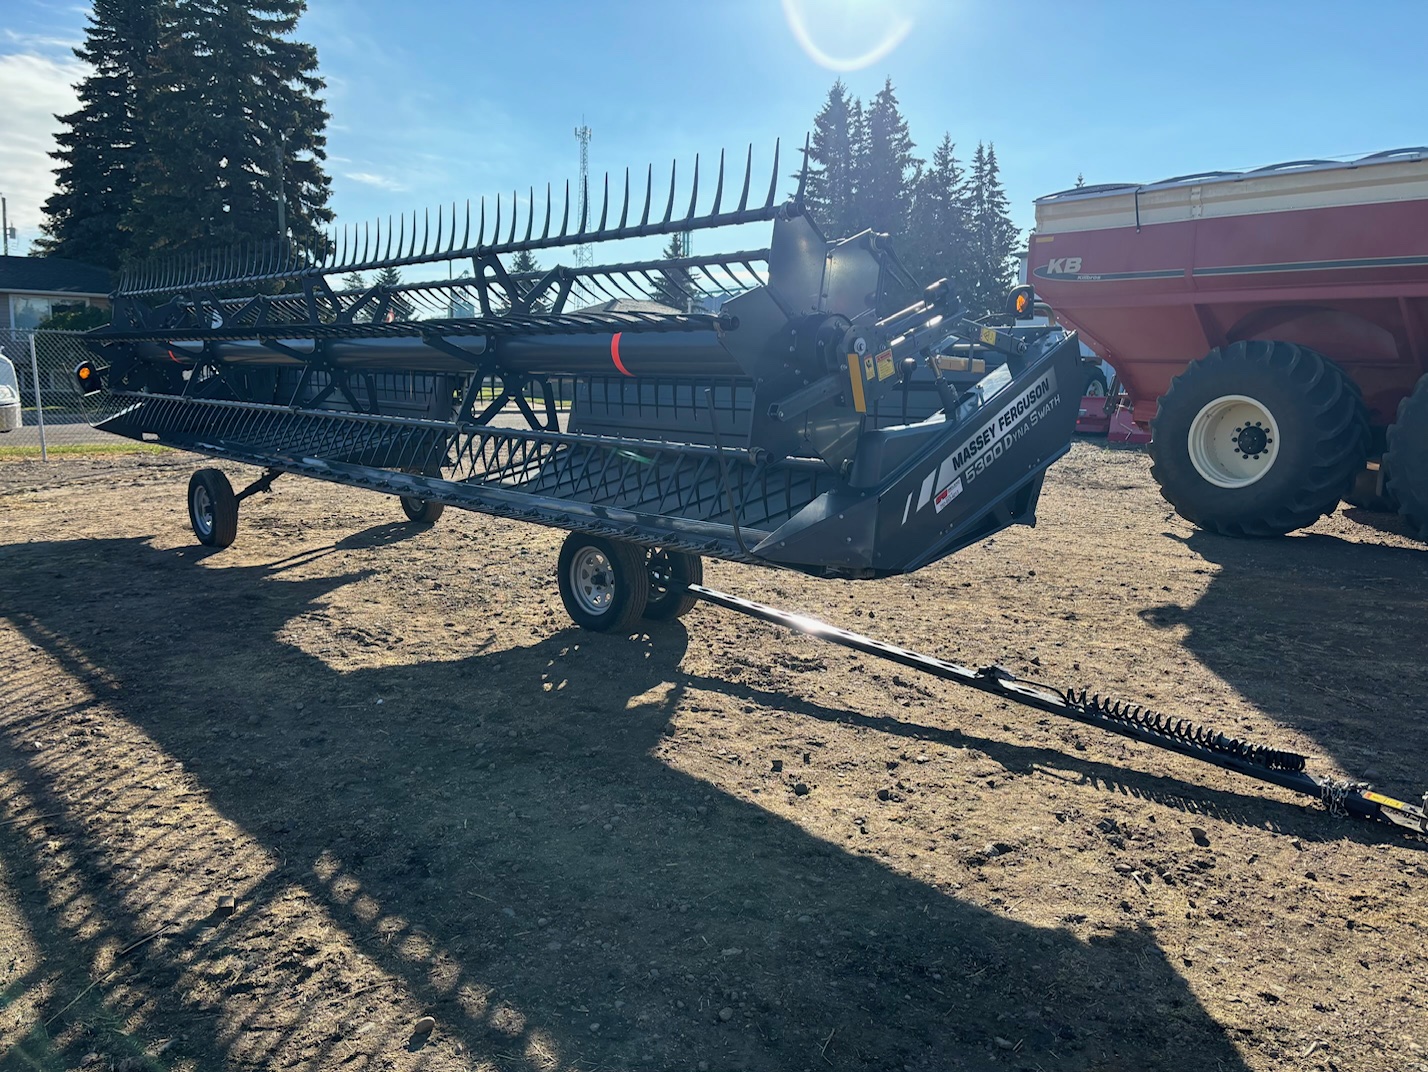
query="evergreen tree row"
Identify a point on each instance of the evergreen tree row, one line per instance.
(198, 116)
(946, 220)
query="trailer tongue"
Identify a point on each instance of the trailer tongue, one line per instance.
(770, 432)
(1285, 769)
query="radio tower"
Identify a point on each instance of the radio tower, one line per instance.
(582, 134)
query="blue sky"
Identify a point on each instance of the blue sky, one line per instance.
(439, 100)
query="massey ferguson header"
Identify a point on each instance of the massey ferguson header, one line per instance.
(773, 431)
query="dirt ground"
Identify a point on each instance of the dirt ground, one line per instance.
(428, 794)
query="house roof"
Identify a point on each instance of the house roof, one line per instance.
(628, 305)
(53, 275)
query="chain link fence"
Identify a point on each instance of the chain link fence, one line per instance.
(53, 413)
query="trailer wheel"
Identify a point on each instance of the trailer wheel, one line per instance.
(422, 511)
(1407, 459)
(212, 508)
(1095, 386)
(671, 573)
(1258, 439)
(604, 584)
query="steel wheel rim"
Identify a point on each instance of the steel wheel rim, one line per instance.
(202, 510)
(661, 571)
(592, 579)
(1233, 441)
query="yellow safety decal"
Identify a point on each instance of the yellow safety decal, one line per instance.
(860, 403)
(1387, 802)
(885, 365)
(989, 336)
(1045, 238)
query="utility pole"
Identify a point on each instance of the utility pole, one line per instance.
(5, 223)
(582, 134)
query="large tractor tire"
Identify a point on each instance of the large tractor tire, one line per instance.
(1258, 439)
(1407, 459)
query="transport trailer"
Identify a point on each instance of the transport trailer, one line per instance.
(774, 432)
(1271, 327)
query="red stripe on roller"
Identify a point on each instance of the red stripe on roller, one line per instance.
(615, 354)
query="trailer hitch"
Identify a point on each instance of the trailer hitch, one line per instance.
(1276, 766)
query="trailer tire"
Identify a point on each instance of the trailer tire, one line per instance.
(1095, 386)
(212, 508)
(1258, 438)
(422, 511)
(671, 573)
(1407, 459)
(604, 584)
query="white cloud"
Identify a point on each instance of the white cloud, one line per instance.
(38, 42)
(382, 182)
(35, 89)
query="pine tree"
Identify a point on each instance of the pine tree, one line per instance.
(233, 122)
(833, 161)
(356, 283)
(938, 239)
(399, 308)
(993, 236)
(674, 286)
(888, 171)
(102, 141)
(525, 263)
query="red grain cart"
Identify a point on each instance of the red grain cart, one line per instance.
(1271, 327)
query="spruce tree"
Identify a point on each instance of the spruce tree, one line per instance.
(233, 122)
(888, 171)
(833, 161)
(356, 283)
(993, 236)
(525, 263)
(399, 308)
(103, 141)
(674, 286)
(937, 241)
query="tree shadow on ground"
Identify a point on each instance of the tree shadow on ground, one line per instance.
(1324, 635)
(500, 835)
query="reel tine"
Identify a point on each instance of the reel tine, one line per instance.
(530, 213)
(604, 205)
(545, 231)
(625, 205)
(748, 177)
(803, 172)
(466, 235)
(565, 219)
(718, 188)
(439, 221)
(669, 208)
(694, 192)
(649, 190)
(425, 232)
(514, 216)
(481, 238)
(402, 235)
(773, 179)
(584, 205)
(366, 239)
